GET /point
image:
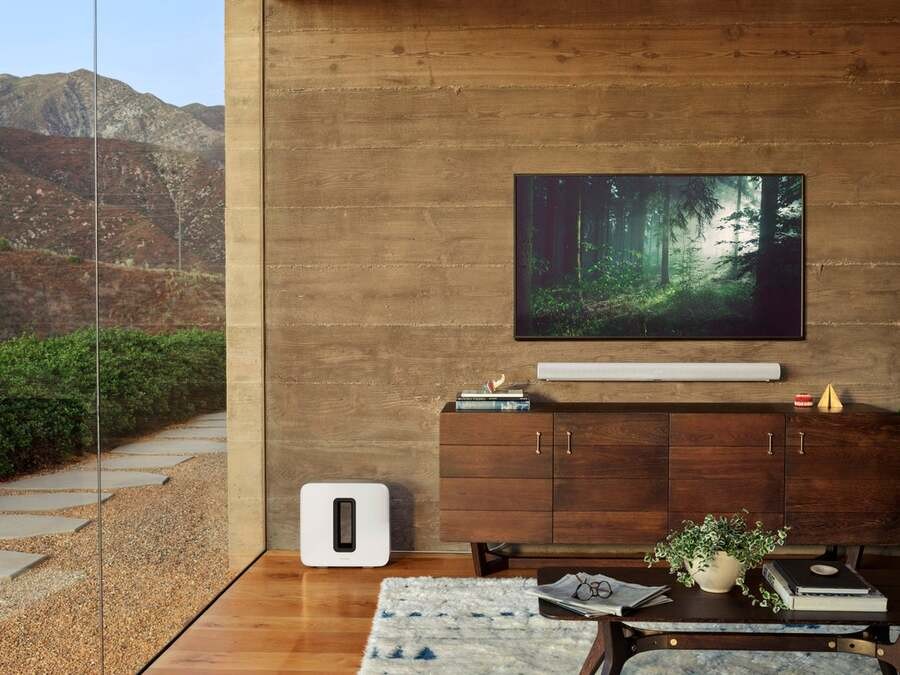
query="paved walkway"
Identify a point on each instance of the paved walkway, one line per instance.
(167, 448)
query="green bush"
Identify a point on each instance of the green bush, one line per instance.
(47, 389)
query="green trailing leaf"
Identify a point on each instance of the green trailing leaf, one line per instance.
(701, 542)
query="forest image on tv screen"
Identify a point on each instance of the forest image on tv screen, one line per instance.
(659, 256)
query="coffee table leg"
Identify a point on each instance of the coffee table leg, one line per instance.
(609, 651)
(595, 656)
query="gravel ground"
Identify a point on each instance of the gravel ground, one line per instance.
(164, 557)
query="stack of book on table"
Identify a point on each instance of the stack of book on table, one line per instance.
(513, 400)
(623, 598)
(803, 589)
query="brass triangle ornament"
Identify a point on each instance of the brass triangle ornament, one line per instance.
(830, 400)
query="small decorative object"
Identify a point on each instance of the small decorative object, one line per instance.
(824, 570)
(830, 400)
(717, 553)
(494, 385)
(803, 400)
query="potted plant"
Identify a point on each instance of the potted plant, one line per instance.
(717, 553)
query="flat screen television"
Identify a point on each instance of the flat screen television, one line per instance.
(688, 256)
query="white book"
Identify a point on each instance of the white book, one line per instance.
(823, 602)
(480, 393)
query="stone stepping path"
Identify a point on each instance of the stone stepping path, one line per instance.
(171, 446)
(50, 501)
(141, 462)
(87, 480)
(19, 526)
(13, 563)
(192, 432)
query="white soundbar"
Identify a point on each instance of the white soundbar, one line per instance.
(659, 372)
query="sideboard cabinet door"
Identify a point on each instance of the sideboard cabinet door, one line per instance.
(496, 477)
(842, 477)
(610, 472)
(724, 463)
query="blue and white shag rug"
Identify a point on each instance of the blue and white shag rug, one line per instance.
(469, 626)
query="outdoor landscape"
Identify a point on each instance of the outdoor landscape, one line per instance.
(681, 256)
(160, 290)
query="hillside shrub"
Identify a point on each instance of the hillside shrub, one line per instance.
(47, 389)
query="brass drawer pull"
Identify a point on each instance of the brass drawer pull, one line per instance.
(770, 435)
(537, 450)
(802, 451)
(568, 442)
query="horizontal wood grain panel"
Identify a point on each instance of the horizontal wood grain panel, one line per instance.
(837, 462)
(473, 428)
(521, 527)
(836, 527)
(844, 430)
(610, 429)
(457, 355)
(400, 15)
(496, 494)
(726, 495)
(609, 494)
(849, 496)
(608, 527)
(611, 461)
(722, 430)
(483, 176)
(726, 462)
(454, 233)
(577, 115)
(392, 294)
(497, 461)
(771, 520)
(559, 55)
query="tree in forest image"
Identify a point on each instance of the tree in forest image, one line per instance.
(659, 256)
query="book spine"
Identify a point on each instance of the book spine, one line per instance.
(498, 406)
(774, 580)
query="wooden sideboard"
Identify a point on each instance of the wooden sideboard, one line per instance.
(592, 473)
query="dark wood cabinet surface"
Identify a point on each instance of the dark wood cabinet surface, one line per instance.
(625, 473)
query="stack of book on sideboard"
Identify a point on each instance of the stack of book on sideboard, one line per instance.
(508, 400)
(804, 590)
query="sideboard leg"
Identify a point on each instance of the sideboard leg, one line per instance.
(853, 556)
(483, 566)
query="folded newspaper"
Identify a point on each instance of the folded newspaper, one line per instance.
(625, 597)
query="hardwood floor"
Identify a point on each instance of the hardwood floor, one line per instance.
(283, 617)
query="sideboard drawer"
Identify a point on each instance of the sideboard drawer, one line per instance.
(496, 494)
(474, 428)
(584, 429)
(843, 429)
(713, 463)
(726, 429)
(496, 461)
(726, 495)
(609, 527)
(771, 520)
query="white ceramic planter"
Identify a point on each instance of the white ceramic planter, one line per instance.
(719, 576)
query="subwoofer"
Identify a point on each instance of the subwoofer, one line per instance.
(345, 524)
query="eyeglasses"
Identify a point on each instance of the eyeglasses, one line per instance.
(591, 589)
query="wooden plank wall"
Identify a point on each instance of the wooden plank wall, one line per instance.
(393, 129)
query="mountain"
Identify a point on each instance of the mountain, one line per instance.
(212, 116)
(46, 294)
(46, 200)
(61, 104)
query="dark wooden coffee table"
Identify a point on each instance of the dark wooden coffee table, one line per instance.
(616, 643)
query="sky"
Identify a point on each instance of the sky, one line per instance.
(173, 49)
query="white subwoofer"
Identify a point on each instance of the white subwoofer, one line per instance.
(345, 525)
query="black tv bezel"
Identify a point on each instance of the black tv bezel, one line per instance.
(620, 338)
